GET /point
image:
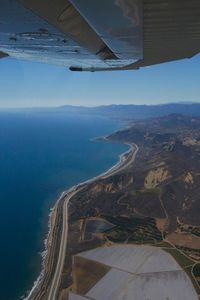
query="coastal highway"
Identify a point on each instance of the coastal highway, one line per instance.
(63, 245)
(68, 195)
(52, 292)
(123, 163)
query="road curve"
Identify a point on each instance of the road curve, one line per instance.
(123, 164)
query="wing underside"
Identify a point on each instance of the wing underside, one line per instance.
(100, 35)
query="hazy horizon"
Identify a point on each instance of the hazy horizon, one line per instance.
(31, 84)
(103, 105)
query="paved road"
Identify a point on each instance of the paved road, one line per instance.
(68, 195)
(63, 245)
(122, 164)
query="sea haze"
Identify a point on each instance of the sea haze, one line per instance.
(41, 154)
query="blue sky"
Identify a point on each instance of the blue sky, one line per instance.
(28, 84)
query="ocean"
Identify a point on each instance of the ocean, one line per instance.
(42, 153)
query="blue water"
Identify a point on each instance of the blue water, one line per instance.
(41, 154)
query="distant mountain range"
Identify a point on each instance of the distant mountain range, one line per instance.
(123, 112)
(136, 111)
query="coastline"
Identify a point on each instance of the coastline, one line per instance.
(44, 253)
(53, 211)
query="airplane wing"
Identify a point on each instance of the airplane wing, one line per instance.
(95, 35)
